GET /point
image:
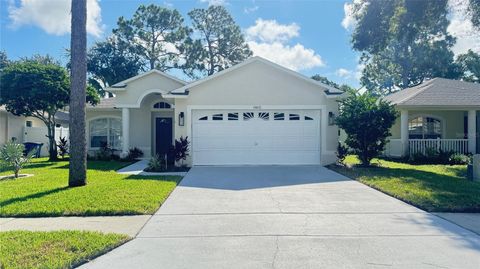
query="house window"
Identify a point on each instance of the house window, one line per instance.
(106, 131)
(424, 128)
(162, 105)
(28, 123)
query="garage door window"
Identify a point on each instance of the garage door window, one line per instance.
(264, 115)
(203, 118)
(248, 115)
(217, 117)
(279, 116)
(308, 118)
(294, 117)
(232, 116)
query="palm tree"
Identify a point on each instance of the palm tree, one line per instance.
(78, 141)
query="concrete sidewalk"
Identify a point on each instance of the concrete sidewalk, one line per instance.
(138, 167)
(470, 221)
(129, 225)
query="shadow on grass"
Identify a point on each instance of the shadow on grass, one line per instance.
(445, 193)
(176, 179)
(32, 196)
(100, 165)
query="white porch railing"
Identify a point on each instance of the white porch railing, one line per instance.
(423, 145)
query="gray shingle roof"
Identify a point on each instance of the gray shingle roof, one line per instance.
(105, 103)
(438, 92)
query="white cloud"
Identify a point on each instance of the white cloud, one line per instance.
(343, 73)
(349, 21)
(271, 40)
(248, 10)
(53, 16)
(295, 57)
(272, 31)
(214, 2)
(461, 27)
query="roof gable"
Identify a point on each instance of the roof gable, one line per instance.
(328, 90)
(123, 84)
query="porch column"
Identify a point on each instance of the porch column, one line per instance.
(404, 131)
(125, 130)
(472, 129)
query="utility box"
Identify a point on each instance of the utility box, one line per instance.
(476, 167)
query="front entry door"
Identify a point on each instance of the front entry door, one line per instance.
(163, 135)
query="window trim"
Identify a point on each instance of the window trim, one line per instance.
(443, 124)
(89, 140)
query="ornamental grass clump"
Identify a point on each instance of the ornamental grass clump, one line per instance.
(12, 157)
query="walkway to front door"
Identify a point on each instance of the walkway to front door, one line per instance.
(290, 217)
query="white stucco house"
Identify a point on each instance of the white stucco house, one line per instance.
(256, 112)
(439, 114)
(29, 129)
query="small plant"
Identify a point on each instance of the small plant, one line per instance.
(106, 153)
(157, 164)
(63, 147)
(181, 149)
(133, 154)
(342, 152)
(458, 158)
(11, 156)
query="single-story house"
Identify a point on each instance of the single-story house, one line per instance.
(29, 129)
(438, 114)
(256, 112)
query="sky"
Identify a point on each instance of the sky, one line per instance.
(308, 36)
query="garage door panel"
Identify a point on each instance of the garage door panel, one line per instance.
(257, 138)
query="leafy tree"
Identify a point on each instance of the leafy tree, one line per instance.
(220, 42)
(77, 172)
(111, 61)
(402, 42)
(469, 64)
(474, 11)
(154, 34)
(366, 120)
(3, 60)
(326, 81)
(31, 88)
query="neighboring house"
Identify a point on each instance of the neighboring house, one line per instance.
(256, 112)
(29, 129)
(437, 114)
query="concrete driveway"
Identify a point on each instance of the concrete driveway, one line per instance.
(290, 217)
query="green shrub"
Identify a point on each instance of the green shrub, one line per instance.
(366, 120)
(106, 153)
(342, 152)
(63, 147)
(11, 156)
(133, 154)
(458, 158)
(157, 164)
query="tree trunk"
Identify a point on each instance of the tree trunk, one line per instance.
(52, 147)
(78, 141)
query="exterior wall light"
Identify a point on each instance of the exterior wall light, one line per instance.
(181, 119)
(331, 118)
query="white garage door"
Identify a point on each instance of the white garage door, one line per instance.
(255, 137)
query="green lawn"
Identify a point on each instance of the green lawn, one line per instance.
(107, 193)
(433, 188)
(59, 249)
